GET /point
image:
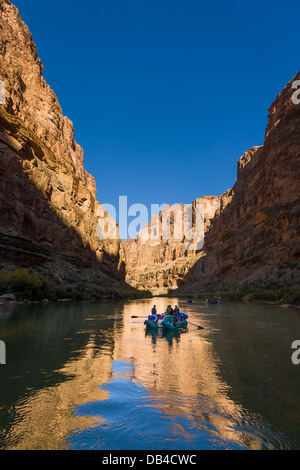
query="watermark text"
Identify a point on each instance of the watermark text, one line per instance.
(2, 92)
(296, 354)
(296, 94)
(177, 222)
(2, 352)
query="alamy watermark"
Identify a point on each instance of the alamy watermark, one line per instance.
(177, 222)
(296, 354)
(296, 94)
(2, 92)
(2, 352)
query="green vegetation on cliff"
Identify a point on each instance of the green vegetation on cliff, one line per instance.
(278, 295)
(37, 287)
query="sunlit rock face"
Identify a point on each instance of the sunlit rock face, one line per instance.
(48, 202)
(252, 238)
(161, 255)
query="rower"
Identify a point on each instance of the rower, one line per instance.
(154, 312)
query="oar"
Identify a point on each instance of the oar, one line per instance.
(199, 327)
(139, 316)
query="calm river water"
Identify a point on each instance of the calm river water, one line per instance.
(89, 376)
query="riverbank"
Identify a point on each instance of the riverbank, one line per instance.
(284, 296)
(24, 286)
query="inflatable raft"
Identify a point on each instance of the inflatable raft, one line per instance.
(168, 322)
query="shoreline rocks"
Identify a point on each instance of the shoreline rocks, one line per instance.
(7, 298)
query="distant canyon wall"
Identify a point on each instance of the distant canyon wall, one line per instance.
(48, 205)
(163, 252)
(253, 235)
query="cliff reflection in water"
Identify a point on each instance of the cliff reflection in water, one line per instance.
(121, 387)
(181, 371)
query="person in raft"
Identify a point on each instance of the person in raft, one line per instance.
(169, 310)
(177, 314)
(154, 312)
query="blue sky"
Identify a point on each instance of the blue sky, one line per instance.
(165, 95)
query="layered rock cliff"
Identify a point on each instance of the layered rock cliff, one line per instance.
(163, 252)
(49, 214)
(51, 221)
(253, 239)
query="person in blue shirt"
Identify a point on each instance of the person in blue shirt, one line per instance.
(154, 312)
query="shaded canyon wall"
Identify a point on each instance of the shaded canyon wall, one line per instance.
(48, 207)
(255, 240)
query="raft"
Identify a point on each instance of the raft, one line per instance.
(167, 322)
(151, 324)
(171, 326)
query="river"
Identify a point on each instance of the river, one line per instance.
(88, 375)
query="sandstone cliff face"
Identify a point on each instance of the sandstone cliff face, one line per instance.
(48, 205)
(161, 256)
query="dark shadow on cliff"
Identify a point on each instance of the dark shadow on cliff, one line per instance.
(31, 230)
(254, 240)
(32, 235)
(248, 255)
